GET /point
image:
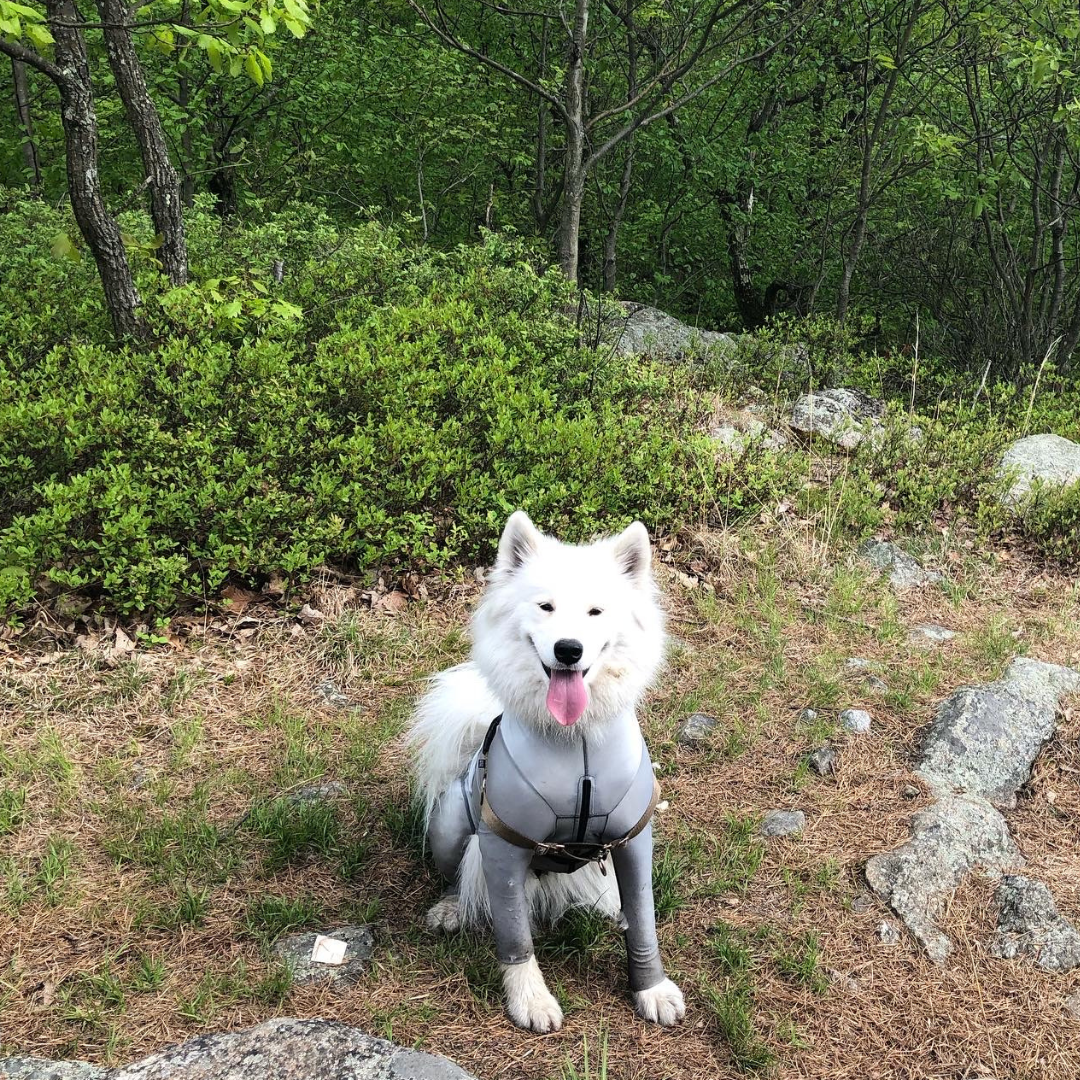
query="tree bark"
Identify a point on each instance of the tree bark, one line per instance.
(611, 240)
(166, 202)
(21, 81)
(574, 167)
(872, 140)
(98, 227)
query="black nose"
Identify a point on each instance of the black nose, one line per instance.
(568, 651)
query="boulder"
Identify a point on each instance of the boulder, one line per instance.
(948, 840)
(652, 331)
(283, 1049)
(1029, 925)
(1046, 459)
(986, 738)
(845, 418)
(904, 570)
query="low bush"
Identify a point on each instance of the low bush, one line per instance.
(381, 407)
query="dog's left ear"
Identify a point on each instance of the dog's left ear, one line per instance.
(634, 553)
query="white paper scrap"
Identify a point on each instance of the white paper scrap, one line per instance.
(328, 950)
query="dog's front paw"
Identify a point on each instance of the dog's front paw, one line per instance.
(528, 1000)
(445, 915)
(662, 1004)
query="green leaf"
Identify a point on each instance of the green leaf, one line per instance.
(63, 248)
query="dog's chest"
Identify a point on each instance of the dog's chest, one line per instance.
(572, 789)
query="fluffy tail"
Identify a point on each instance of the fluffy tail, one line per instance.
(448, 727)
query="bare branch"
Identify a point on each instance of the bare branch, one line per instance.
(443, 32)
(32, 59)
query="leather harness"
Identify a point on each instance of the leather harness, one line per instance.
(580, 853)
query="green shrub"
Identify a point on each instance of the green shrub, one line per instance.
(382, 407)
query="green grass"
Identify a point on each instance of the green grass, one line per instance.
(55, 869)
(799, 961)
(268, 917)
(12, 809)
(288, 831)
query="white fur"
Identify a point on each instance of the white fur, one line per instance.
(662, 1004)
(528, 1000)
(602, 595)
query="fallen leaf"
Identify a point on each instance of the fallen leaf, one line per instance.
(391, 602)
(310, 614)
(236, 598)
(123, 644)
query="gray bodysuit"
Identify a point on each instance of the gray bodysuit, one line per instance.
(563, 788)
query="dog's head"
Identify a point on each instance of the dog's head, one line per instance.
(568, 633)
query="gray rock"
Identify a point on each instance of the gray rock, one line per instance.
(1029, 925)
(905, 571)
(807, 716)
(845, 418)
(842, 981)
(783, 823)
(329, 692)
(930, 633)
(286, 1049)
(910, 791)
(22, 1068)
(888, 932)
(823, 760)
(1046, 459)
(862, 902)
(858, 664)
(320, 791)
(695, 729)
(857, 721)
(1072, 1004)
(752, 432)
(948, 840)
(986, 738)
(652, 331)
(295, 950)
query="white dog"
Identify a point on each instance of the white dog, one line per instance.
(535, 776)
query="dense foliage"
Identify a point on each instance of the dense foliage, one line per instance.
(912, 159)
(382, 405)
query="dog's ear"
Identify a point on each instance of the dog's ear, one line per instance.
(520, 540)
(633, 553)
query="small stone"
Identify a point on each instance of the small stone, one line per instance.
(931, 633)
(329, 692)
(783, 823)
(857, 721)
(823, 760)
(295, 950)
(695, 729)
(862, 902)
(858, 663)
(910, 791)
(322, 791)
(807, 716)
(888, 932)
(1072, 1004)
(844, 982)
(876, 685)
(904, 570)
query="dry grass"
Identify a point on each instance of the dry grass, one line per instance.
(119, 946)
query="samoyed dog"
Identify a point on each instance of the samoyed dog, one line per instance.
(537, 785)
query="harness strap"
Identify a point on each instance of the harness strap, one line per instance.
(512, 836)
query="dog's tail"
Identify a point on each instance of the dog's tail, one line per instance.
(448, 727)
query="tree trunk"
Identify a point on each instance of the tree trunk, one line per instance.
(872, 140)
(540, 174)
(166, 204)
(574, 167)
(98, 227)
(22, 108)
(611, 240)
(747, 299)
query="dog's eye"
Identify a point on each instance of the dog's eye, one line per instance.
(546, 606)
(595, 611)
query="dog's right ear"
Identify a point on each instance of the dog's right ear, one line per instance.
(520, 541)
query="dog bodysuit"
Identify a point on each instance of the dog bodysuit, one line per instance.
(555, 801)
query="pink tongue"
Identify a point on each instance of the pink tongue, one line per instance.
(567, 697)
